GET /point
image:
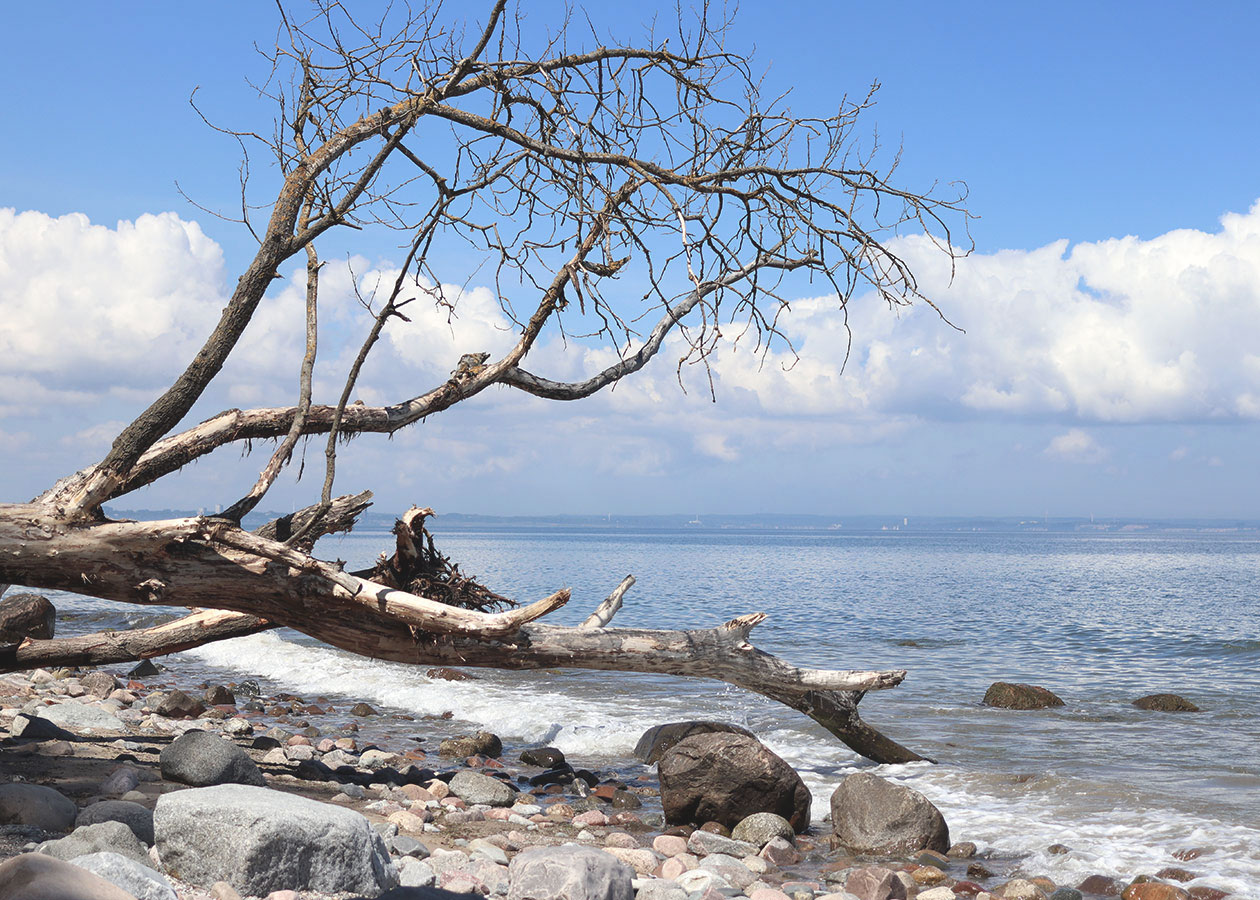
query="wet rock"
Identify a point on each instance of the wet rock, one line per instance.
(727, 777)
(568, 873)
(26, 615)
(1165, 703)
(178, 705)
(1174, 873)
(219, 695)
(136, 817)
(146, 668)
(483, 743)
(1006, 695)
(875, 883)
(447, 674)
(260, 840)
(201, 759)
(477, 789)
(1103, 885)
(140, 881)
(112, 837)
(872, 815)
(704, 843)
(658, 739)
(33, 876)
(1153, 890)
(962, 850)
(34, 804)
(761, 828)
(1022, 889)
(780, 852)
(625, 800)
(1066, 893)
(363, 709)
(543, 757)
(1203, 892)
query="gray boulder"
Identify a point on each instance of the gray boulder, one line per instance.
(136, 817)
(761, 828)
(568, 873)
(659, 738)
(32, 876)
(259, 840)
(726, 777)
(140, 881)
(26, 615)
(83, 718)
(34, 804)
(475, 788)
(114, 837)
(202, 759)
(875, 816)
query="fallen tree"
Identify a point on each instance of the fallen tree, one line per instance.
(570, 169)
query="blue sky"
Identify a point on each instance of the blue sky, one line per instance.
(1111, 360)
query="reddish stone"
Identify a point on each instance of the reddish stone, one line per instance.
(1153, 890)
(1206, 893)
(1188, 854)
(966, 888)
(1101, 885)
(1172, 873)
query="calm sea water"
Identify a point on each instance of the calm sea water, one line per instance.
(1099, 619)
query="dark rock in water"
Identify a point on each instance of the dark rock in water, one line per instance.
(447, 674)
(220, 695)
(1174, 873)
(979, 870)
(144, 669)
(1203, 892)
(26, 615)
(483, 743)
(112, 837)
(569, 872)
(178, 705)
(625, 800)
(1102, 885)
(1165, 703)
(659, 738)
(363, 709)
(1006, 695)
(586, 775)
(544, 757)
(562, 774)
(962, 850)
(872, 815)
(249, 688)
(714, 827)
(1058, 849)
(726, 777)
(260, 840)
(200, 759)
(136, 817)
(34, 804)
(36, 875)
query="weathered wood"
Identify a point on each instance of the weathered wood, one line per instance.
(610, 607)
(340, 516)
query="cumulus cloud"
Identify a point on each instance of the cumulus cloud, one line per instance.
(1076, 446)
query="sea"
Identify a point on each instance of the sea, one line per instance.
(1099, 618)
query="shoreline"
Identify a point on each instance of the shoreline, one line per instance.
(298, 733)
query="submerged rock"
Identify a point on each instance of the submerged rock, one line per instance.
(1165, 703)
(1005, 695)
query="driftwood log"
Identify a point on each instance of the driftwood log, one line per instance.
(256, 583)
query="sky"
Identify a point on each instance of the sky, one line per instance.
(1106, 360)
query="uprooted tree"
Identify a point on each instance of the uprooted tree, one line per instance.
(583, 174)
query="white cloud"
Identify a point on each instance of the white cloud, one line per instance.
(1076, 446)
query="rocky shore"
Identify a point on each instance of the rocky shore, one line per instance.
(132, 784)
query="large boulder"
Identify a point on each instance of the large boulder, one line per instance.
(726, 777)
(570, 872)
(141, 881)
(475, 788)
(259, 840)
(1165, 703)
(136, 817)
(1005, 695)
(201, 759)
(112, 837)
(872, 815)
(658, 739)
(34, 804)
(26, 615)
(33, 876)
